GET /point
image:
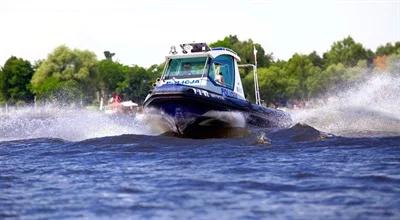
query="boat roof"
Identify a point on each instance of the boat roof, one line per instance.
(212, 52)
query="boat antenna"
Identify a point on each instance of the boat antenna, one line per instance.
(256, 87)
(173, 50)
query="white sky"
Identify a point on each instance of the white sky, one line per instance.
(141, 32)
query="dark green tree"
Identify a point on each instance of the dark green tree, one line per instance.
(155, 71)
(66, 70)
(300, 68)
(348, 52)
(276, 86)
(388, 49)
(108, 75)
(15, 79)
(136, 84)
(316, 59)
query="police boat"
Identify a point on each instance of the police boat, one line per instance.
(200, 83)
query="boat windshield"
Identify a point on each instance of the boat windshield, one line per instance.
(186, 67)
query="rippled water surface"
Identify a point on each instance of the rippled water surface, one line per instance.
(133, 176)
(58, 163)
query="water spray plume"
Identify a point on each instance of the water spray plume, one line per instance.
(369, 108)
(72, 124)
(75, 124)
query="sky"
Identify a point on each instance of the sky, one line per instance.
(141, 32)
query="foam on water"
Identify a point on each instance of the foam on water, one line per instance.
(369, 108)
(67, 123)
(75, 124)
(234, 119)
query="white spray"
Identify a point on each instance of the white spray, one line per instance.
(72, 124)
(369, 108)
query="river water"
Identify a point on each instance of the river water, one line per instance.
(339, 160)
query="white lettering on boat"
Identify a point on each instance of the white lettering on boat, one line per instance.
(201, 92)
(184, 81)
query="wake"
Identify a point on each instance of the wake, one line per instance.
(71, 124)
(371, 108)
(77, 124)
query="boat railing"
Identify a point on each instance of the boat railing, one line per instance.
(256, 87)
(255, 76)
(224, 48)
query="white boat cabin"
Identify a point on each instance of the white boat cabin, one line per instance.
(210, 69)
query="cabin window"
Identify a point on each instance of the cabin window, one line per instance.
(222, 71)
(186, 67)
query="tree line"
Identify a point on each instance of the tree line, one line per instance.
(72, 75)
(306, 76)
(69, 75)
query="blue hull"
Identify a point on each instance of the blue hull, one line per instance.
(186, 105)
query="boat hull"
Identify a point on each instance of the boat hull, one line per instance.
(190, 106)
